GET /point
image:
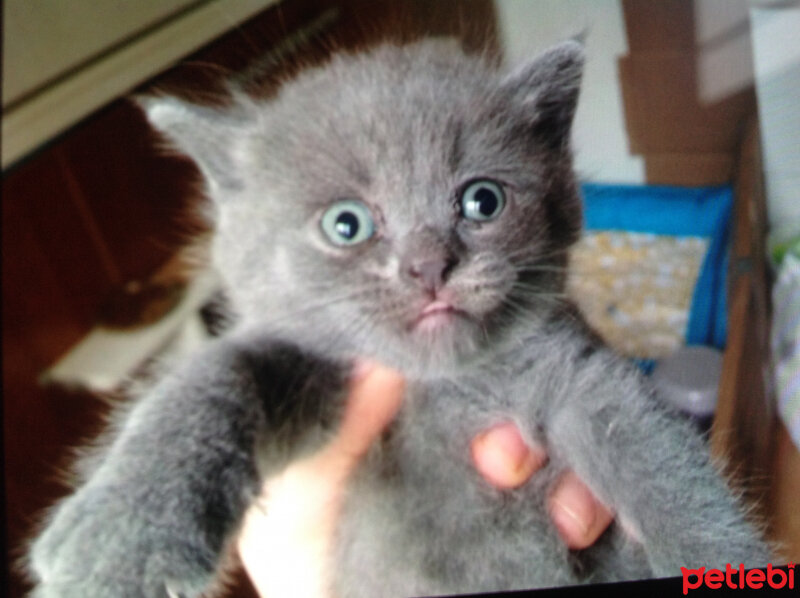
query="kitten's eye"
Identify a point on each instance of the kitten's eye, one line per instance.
(482, 201)
(348, 222)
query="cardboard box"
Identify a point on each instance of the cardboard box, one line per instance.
(689, 169)
(664, 112)
(658, 25)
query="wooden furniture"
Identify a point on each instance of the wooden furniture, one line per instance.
(64, 61)
(743, 428)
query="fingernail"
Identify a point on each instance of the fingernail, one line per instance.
(503, 458)
(573, 513)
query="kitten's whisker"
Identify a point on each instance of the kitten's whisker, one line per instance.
(536, 289)
(534, 252)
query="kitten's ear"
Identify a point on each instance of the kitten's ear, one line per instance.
(207, 135)
(546, 89)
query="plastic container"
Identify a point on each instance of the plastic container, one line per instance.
(689, 380)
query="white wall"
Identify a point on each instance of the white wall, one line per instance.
(776, 54)
(725, 65)
(600, 140)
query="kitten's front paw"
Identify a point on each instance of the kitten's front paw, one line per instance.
(98, 545)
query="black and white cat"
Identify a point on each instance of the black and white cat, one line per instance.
(412, 205)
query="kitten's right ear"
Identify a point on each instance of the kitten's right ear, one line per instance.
(207, 135)
(546, 89)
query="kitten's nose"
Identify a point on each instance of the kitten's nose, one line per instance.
(431, 272)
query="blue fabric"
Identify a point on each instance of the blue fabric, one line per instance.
(675, 211)
(645, 365)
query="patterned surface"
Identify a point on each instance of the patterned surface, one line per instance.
(636, 288)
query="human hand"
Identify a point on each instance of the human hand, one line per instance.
(286, 536)
(285, 540)
(504, 459)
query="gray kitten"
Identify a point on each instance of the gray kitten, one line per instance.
(413, 205)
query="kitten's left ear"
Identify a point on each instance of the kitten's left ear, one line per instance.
(205, 134)
(546, 89)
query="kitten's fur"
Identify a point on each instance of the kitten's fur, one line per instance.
(403, 129)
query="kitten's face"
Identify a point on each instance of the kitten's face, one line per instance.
(409, 206)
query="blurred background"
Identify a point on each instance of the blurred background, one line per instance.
(686, 137)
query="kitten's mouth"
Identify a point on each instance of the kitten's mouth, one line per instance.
(435, 316)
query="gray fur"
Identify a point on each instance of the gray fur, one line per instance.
(403, 129)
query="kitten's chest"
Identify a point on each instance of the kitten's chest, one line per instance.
(418, 502)
(450, 411)
(423, 464)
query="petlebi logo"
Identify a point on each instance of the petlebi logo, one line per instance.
(738, 579)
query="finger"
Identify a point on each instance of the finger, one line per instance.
(376, 393)
(579, 517)
(284, 544)
(503, 458)
(286, 536)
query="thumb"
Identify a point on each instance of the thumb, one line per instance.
(285, 540)
(376, 393)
